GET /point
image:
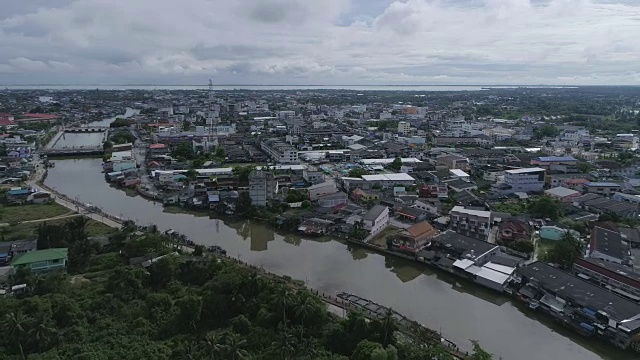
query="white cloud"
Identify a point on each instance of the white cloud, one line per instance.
(329, 41)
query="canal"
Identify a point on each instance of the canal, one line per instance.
(460, 310)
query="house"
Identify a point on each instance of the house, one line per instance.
(463, 247)
(555, 232)
(601, 188)
(460, 185)
(19, 247)
(470, 222)
(40, 197)
(548, 162)
(18, 195)
(431, 206)
(363, 196)
(415, 238)
(410, 213)
(42, 260)
(314, 177)
(439, 191)
(601, 205)
(322, 189)
(633, 199)
(5, 253)
(514, 229)
(607, 245)
(453, 161)
(331, 200)
(563, 194)
(522, 180)
(459, 174)
(620, 279)
(615, 317)
(376, 219)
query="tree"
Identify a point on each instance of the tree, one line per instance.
(479, 353)
(120, 122)
(546, 207)
(219, 154)
(243, 204)
(191, 174)
(243, 172)
(358, 172)
(14, 328)
(585, 167)
(546, 131)
(395, 165)
(183, 151)
(565, 251)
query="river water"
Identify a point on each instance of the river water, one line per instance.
(461, 310)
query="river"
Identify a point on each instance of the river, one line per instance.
(461, 310)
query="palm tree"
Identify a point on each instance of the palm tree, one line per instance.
(235, 347)
(304, 309)
(42, 334)
(14, 327)
(186, 350)
(388, 325)
(285, 298)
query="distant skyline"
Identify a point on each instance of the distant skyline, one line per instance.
(328, 42)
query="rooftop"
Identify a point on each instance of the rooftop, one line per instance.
(607, 242)
(561, 191)
(469, 247)
(463, 210)
(580, 291)
(374, 213)
(524, 170)
(556, 158)
(601, 184)
(40, 255)
(388, 177)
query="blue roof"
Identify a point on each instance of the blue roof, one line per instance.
(557, 158)
(19, 192)
(602, 184)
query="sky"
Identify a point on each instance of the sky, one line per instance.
(320, 42)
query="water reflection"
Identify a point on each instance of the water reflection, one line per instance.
(460, 309)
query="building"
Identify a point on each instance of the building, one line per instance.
(602, 312)
(620, 279)
(459, 174)
(601, 188)
(321, 189)
(279, 151)
(523, 180)
(387, 180)
(453, 161)
(463, 247)
(607, 245)
(513, 229)
(262, 187)
(633, 199)
(42, 260)
(404, 127)
(376, 219)
(414, 238)
(548, 161)
(314, 177)
(471, 223)
(332, 200)
(601, 205)
(563, 194)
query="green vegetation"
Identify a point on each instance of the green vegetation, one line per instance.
(294, 195)
(546, 131)
(546, 207)
(15, 214)
(522, 246)
(563, 252)
(183, 307)
(513, 207)
(121, 137)
(395, 165)
(120, 122)
(183, 151)
(358, 172)
(243, 172)
(15, 231)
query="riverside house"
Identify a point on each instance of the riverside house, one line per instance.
(42, 260)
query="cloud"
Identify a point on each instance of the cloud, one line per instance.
(321, 42)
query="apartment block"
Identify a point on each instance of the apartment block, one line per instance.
(471, 223)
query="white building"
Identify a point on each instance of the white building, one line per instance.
(524, 180)
(280, 152)
(404, 127)
(262, 187)
(376, 219)
(472, 223)
(321, 189)
(286, 114)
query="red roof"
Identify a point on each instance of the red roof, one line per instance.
(157, 146)
(41, 116)
(4, 121)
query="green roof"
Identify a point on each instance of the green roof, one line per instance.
(41, 255)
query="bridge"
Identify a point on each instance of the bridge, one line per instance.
(86, 129)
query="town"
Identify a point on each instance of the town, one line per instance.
(532, 193)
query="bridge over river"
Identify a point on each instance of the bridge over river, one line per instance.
(77, 141)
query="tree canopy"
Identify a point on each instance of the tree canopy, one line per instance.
(546, 207)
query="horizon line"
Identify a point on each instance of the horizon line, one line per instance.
(324, 85)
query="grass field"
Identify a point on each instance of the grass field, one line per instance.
(28, 231)
(14, 214)
(381, 238)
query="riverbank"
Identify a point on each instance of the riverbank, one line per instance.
(458, 308)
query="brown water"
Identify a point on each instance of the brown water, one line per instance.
(461, 310)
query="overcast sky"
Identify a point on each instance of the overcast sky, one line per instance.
(320, 42)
